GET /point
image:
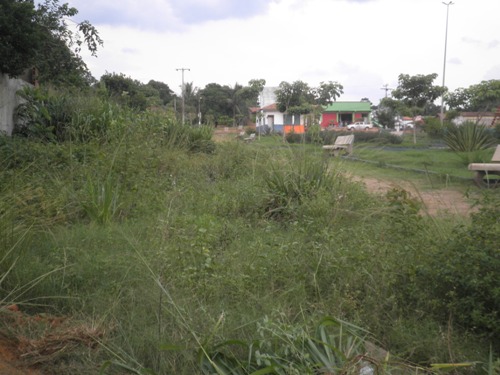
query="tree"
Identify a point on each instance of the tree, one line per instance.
(41, 37)
(294, 98)
(19, 36)
(482, 97)
(387, 110)
(125, 90)
(215, 101)
(418, 92)
(299, 98)
(328, 92)
(223, 102)
(459, 99)
(166, 94)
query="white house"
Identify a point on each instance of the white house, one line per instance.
(269, 118)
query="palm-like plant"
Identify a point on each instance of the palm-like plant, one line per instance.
(336, 347)
(469, 141)
(468, 137)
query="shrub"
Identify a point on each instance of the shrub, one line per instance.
(291, 182)
(313, 135)
(433, 127)
(63, 116)
(462, 276)
(200, 139)
(467, 137)
(295, 138)
(328, 137)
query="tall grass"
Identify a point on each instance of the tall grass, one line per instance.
(211, 243)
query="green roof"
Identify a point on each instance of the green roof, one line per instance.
(348, 107)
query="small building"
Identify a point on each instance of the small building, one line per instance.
(344, 113)
(480, 118)
(278, 122)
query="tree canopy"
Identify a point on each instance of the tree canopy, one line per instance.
(41, 37)
(299, 98)
(135, 94)
(418, 92)
(220, 103)
(484, 96)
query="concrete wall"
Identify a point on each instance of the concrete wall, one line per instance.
(9, 101)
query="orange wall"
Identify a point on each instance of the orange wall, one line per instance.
(298, 129)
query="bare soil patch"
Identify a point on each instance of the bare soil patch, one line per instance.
(436, 202)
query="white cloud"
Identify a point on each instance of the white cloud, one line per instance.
(361, 44)
(165, 15)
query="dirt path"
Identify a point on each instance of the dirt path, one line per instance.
(435, 202)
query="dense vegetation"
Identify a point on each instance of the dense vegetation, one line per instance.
(165, 251)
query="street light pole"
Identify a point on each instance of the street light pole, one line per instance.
(444, 63)
(182, 92)
(199, 110)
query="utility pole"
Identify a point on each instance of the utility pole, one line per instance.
(386, 88)
(199, 110)
(182, 92)
(444, 63)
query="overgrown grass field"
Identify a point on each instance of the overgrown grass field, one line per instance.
(166, 253)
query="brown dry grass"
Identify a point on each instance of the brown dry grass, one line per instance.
(28, 342)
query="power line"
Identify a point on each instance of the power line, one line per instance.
(386, 88)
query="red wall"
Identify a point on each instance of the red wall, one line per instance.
(328, 118)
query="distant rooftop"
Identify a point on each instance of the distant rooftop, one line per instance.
(348, 107)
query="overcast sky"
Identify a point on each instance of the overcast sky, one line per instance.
(362, 44)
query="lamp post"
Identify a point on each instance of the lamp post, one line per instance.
(182, 91)
(444, 62)
(199, 110)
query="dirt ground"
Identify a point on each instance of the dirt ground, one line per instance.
(436, 202)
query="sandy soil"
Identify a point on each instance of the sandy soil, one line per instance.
(436, 202)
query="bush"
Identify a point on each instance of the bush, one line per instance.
(292, 182)
(295, 138)
(313, 135)
(200, 139)
(64, 116)
(329, 137)
(461, 281)
(433, 127)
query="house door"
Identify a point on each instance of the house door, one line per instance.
(346, 118)
(270, 121)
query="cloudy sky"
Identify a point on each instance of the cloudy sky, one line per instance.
(362, 44)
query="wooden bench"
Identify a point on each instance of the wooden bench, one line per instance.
(249, 139)
(485, 170)
(342, 143)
